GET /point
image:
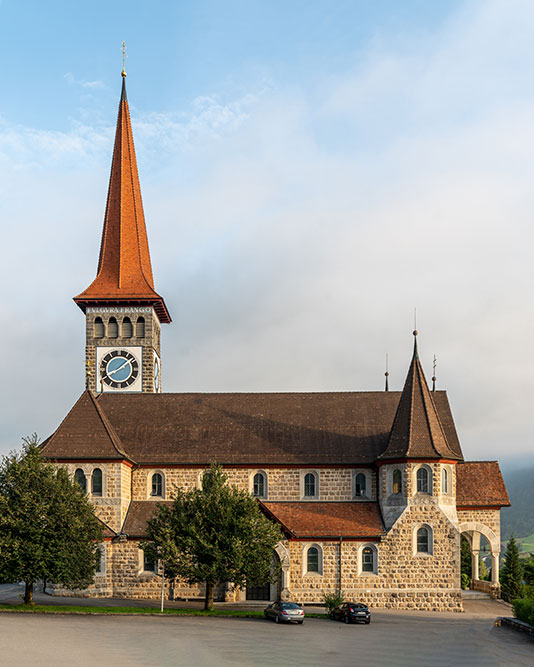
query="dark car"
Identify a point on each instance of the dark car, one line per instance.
(351, 612)
(285, 612)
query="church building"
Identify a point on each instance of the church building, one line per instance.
(371, 489)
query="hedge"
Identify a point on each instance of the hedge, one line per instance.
(524, 610)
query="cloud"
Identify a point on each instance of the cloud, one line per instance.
(94, 85)
(293, 230)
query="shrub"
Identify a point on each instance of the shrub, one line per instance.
(466, 580)
(332, 600)
(527, 591)
(524, 610)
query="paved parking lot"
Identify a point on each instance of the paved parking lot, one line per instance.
(393, 639)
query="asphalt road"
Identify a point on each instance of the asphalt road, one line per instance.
(393, 639)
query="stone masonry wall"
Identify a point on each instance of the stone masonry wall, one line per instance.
(335, 484)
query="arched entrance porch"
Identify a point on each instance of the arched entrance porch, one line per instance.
(473, 531)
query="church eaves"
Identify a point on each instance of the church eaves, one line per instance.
(124, 275)
(417, 431)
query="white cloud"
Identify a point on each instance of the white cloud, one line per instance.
(95, 85)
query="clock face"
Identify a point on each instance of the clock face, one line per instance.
(119, 369)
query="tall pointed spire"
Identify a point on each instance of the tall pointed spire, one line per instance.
(417, 431)
(124, 275)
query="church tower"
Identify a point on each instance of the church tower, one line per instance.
(123, 311)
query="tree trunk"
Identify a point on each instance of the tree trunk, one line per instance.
(208, 602)
(28, 592)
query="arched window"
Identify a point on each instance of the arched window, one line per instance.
(397, 481)
(259, 485)
(127, 328)
(423, 540)
(422, 481)
(312, 560)
(96, 482)
(101, 567)
(310, 485)
(79, 476)
(113, 328)
(140, 327)
(360, 485)
(157, 484)
(99, 330)
(368, 559)
(444, 481)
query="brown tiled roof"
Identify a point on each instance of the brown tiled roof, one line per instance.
(479, 484)
(107, 531)
(124, 274)
(319, 519)
(417, 431)
(139, 512)
(85, 433)
(244, 429)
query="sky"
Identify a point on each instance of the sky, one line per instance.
(311, 172)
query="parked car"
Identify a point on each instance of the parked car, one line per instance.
(285, 612)
(351, 612)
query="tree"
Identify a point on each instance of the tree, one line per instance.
(528, 570)
(48, 529)
(512, 572)
(465, 557)
(216, 533)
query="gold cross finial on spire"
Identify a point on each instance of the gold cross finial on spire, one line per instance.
(124, 56)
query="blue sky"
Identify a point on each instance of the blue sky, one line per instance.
(311, 172)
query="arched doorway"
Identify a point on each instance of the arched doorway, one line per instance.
(269, 590)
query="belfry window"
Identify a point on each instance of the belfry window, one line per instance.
(127, 328)
(157, 484)
(140, 327)
(99, 330)
(259, 485)
(310, 485)
(113, 328)
(360, 485)
(397, 481)
(79, 476)
(96, 482)
(422, 481)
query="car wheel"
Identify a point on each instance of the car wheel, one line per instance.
(347, 620)
(367, 621)
(331, 615)
(300, 622)
(277, 619)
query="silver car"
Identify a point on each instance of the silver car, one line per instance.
(285, 612)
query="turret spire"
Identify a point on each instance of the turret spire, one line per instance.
(417, 431)
(124, 275)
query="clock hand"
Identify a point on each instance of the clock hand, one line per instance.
(118, 369)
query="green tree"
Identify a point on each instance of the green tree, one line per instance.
(512, 572)
(216, 533)
(528, 570)
(48, 529)
(465, 557)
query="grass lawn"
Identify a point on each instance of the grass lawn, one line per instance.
(526, 544)
(71, 609)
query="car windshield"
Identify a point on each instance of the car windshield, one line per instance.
(290, 605)
(359, 605)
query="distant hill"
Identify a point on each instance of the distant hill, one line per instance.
(519, 519)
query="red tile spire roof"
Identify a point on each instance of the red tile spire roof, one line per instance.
(417, 431)
(124, 275)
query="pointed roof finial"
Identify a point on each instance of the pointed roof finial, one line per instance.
(387, 374)
(124, 56)
(434, 374)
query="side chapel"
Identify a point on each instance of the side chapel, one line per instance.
(371, 488)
